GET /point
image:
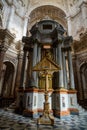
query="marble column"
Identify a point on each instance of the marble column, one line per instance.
(64, 71)
(71, 75)
(34, 74)
(38, 60)
(59, 61)
(23, 69)
(29, 69)
(39, 54)
(56, 58)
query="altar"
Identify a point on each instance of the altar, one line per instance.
(47, 48)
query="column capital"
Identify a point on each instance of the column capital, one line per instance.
(67, 42)
(68, 39)
(28, 46)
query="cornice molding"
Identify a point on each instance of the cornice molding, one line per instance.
(81, 44)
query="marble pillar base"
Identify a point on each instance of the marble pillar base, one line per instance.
(73, 105)
(61, 114)
(45, 120)
(74, 111)
(30, 113)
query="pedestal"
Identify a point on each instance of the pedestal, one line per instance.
(72, 94)
(60, 103)
(31, 102)
(46, 118)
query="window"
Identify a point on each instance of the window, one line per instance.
(47, 26)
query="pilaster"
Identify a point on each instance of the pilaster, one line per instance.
(72, 101)
(60, 99)
(6, 38)
(18, 74)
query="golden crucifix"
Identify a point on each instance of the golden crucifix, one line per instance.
(46, 66)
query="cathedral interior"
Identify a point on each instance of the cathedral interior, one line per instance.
(43, 64)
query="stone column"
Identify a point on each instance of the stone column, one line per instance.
(39, 54)
(23, 68)
(56, 51)
(38, 60)
(59, 61)
(71, 75)
(19, 68)
(29, 69)
(10, 18)
(64, 71)
(2, 78)
(34, 74)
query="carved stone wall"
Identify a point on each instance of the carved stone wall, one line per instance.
(80, 73)
(14, 10)
(77, 19)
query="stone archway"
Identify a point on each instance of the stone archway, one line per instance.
(47, 12)
(8, 76)
(83, 75)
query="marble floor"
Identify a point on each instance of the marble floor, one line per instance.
(12, 121)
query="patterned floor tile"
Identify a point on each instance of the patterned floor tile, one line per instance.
(12, 121)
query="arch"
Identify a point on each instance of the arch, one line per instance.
(39, 4)
(47, 12)
(10, 62)
(7, 79)
(83, 76)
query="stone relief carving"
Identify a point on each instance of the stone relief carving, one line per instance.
(73, 2)
(82, 43)
(21, 2)
(10, 58)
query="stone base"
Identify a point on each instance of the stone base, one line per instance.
(45, 120)
(74, 111)
(61, 114)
